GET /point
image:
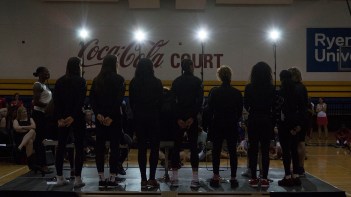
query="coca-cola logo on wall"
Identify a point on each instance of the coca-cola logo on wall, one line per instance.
(92, 54)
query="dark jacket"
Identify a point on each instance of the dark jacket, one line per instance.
(259, 101)
(145, 96)
(106, 97)
(69, 96)
(188, 91)
(292, 108)
(302, 91)
(225, 104)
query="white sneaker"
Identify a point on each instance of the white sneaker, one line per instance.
(61, 181)
(78, 183)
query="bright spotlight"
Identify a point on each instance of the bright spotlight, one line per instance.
(139, 36)
(83, 33)
(274, 35)
(202, 35)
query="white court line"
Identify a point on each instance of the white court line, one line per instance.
(13, 172)
(347, 194)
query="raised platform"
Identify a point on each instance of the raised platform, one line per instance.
(35, 184)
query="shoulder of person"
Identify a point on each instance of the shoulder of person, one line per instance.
(38, 86)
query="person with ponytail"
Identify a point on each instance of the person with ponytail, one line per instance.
(41, 98)
(106, 96)
(145, 96)
(292, 109)
(188, 92)
(69, 96)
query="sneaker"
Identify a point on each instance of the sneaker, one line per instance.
(301, 171)
(254, 182)
(195, 184)
(72, 176)
(297, 181)
(102, 183)
(214, 182)
(234, 183)
(61, 181)
(119, 179)
(264, 183)
(246, 173)
(143, 184)
(153, 183)
(120, 170)
(112, 184)
(286, 182)
(78, 183)
(174, 183)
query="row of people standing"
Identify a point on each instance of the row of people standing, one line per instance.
(146, 93)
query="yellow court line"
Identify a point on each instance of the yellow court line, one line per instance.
(13, 172)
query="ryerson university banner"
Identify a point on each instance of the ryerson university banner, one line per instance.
(328, 49)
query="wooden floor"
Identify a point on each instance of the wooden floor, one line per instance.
(330, 164)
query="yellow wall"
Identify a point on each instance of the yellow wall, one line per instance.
(315, 88)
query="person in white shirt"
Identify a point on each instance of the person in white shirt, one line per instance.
(322, 119)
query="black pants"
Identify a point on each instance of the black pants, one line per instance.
(229, 132)
(289, 144)
(111, 133)
(192, 135)
(41, 127)
(78, 129)
(147, 129)
(260, 131)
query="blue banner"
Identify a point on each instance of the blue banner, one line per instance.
(328, 49)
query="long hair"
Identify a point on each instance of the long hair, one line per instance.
(295, 74)
(19, 115)
(144, 70)
(287, 84)
(73, 66)
(261, 75)
(107, 73)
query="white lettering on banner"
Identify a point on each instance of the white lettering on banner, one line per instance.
(321, 39)
(322, 55)
(328, 52)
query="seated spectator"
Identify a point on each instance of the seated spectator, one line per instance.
(275, 150)
(90, 133)
(24, 127)
(3, 103)
(343, 136)
(123, 152)
(4, 135)
(16, 102)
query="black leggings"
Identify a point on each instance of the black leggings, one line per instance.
(192, 135)
(229, 132)
(78, 128)
(147, 128)
(41, 126)
(289, 143)
(111, 133)
(260, 131)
